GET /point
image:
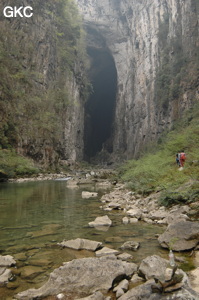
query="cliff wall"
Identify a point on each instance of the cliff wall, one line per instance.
(155, 46)
(42, 82)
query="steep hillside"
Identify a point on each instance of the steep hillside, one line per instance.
(157, 170)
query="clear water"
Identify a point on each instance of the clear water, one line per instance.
(34, 216)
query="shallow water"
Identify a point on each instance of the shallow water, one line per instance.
(34, 216)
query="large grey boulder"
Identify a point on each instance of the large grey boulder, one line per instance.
(180, 236)
(80, 244)
(84, 276)
(153, 266)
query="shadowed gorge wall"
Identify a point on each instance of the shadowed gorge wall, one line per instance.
(100, 107)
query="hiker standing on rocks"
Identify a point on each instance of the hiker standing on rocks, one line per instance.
(182, 159)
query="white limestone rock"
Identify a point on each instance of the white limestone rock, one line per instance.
(80, 244)
(101, 221)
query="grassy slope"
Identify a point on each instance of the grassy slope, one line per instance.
(12, 165)
(157, 170)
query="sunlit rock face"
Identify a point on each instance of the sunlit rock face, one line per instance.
(139, 35)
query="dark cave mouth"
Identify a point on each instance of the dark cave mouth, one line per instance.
(100, 106)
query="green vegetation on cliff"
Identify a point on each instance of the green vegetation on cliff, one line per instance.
(157, 170)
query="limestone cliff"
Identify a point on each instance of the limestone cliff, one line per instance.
(42, 82)
(155, 47)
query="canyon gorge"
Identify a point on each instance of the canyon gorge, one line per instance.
(100, 95)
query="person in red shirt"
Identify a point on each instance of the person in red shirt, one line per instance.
(182, 159)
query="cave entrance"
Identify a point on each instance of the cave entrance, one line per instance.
(100, 106)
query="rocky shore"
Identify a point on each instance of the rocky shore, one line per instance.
(111, 273)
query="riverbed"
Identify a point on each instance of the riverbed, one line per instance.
(35, 216)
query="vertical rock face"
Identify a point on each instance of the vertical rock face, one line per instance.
(45, 84)
(146, 38)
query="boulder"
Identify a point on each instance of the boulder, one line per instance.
(133, 220)
(101, 221)
(88, 195)
(180, 236)
(84, 276)
(125, 220)
(80, 244)
(157, 215)
(134, 213)
(5, 275)
(144, 292)
(114, 205)
(7, 261)
(130, 245)
(153, 266)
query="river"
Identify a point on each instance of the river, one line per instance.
(35, 216)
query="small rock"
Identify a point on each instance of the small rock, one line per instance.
(106, 251)
(60, 296)
(124, 256)
(130, 245)
(80, 244)
(168, 274)
(101, 221)
(7, 261)
(125, 220)
(148, 221)
(136, 279)
(133, 220)
(134, 212)
(114, 205)
(5, 274)
(124, 285)
(88, 195)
